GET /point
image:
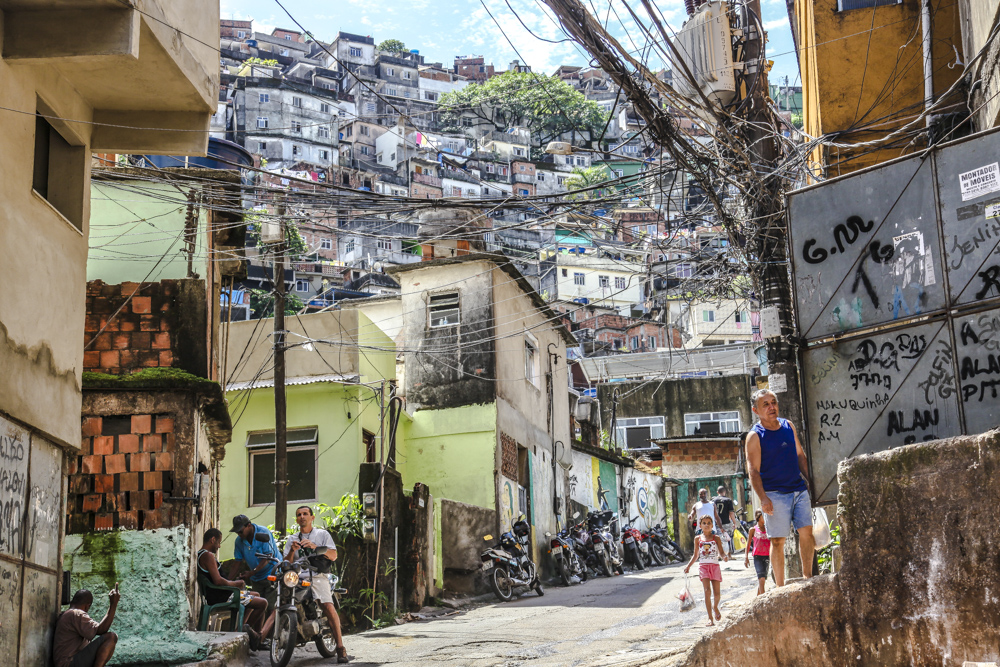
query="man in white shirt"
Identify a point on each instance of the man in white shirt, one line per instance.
(705, 507)
(307, 540)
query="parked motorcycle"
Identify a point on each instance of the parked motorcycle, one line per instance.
(564, 556)
(603, 526)
(300, 618)
(658, 535)
(589, 555)
(508, 564)
(633, 547)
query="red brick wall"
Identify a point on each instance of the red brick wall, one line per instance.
(421, 191)
(124, 469)
(695, 451)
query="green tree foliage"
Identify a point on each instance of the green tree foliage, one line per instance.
(547, 106)
(588, 178)
(391, 46)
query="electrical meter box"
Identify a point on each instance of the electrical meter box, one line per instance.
(369, 501)
(705, 42)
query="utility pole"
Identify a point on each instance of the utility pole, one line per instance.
(280, 433)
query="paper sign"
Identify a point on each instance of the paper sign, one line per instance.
(992, 211)
(979, 182)
(776, 383)
(770, 324)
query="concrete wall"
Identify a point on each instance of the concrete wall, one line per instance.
(645, 502)
(675, 398)
(910, 592)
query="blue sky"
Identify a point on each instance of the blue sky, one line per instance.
(443, 29)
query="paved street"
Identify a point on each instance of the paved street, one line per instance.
(627, 620)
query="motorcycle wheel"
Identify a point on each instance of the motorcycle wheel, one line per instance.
(326, 644)
(501, 584)
(538, 588)
(657, 554)
(678, 550)
(563, 572)
(284, 636)
(606, 564)
(637, 558)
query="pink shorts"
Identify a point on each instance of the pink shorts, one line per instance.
(710, 571)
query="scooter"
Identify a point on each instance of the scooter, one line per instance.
(564, 556)
(507, 564)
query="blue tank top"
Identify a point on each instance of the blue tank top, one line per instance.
(779, 458)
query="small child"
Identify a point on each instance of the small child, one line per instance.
(758, 540)
(707, 550)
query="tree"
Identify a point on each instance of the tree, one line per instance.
(392, 46)
(588, 178)
(545, 105)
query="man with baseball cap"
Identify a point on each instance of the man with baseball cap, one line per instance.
(256, 554)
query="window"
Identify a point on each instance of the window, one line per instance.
(482, 69)
(711, 422)
(284, 52)
(635, 342)
(383, 244)
(300, 461)
(652, 343)
(325, 244)
(349, 247)
(262, 122)
(406, 93)
(581, 161)
(560, 180)
(603, 281)
(389, 71)
(579, 279)
(636, 432)
(431, 96)
(264, 97)
(530, 360)
(569, 160)
(619, 282)
(355, 52)
(58, 171)
(392, 158)
(323, 132)
(302, 286)
(324, 155)
(241, 34)
(541, 177)
(365, 150)
(369, 107)
(519, 152)
(523, 192)
(296, 127)
(261, 146)
(296, 150)
(742, 317)
(364, 131)
(407, 74)
(846, 5)
(324, 108)
(467, 122)
(350, 131)
(708, 316)
(683, 271)
(443, 310)
(565, 273)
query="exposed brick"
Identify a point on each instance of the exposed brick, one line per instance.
(91, 359)
(128, 359)
(128, 289)
(141, 340)
(114, 464)
(128, 481)
(141, 304)
(142, 423)
(128, 443)
(86, 446)
(110, 359)
(139, 462)
(168, 442)
(92, 502)
(102, 342)
(152, 443)
(161, 341)
(91, 465)
(166, 359)
(153, 519)
(110, 325)
(104, 522)
(73, 467)
(126, 325)
(164, 461)
(91, 426)
(114, 502)
(149, 323)
(128, 520)
(104, 444)
(149, 359)
(104, 483)
(140, 500)
(164, 322)
(152, 481)
(78, 523)
(157, 499)
(164, 424)
(121, 341)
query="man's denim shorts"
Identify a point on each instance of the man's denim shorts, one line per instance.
(789, 509)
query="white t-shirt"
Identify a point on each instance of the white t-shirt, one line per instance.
(706, 509)
(317, 536)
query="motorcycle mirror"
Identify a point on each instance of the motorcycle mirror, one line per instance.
(487, 538)
(576, 515)
(548, 534)
(320, 551)
(262, 537)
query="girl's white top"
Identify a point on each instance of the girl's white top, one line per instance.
(708, 550)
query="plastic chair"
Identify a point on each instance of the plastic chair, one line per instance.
(232, 604)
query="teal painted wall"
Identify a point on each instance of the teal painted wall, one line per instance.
(609, 482)
(152, 568)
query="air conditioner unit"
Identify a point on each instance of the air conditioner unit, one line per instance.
(705, 42)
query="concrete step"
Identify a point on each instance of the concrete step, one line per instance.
(225, 649)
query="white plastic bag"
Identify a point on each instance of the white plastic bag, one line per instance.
(821, 528)
(686, 597)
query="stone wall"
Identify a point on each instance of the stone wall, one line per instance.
(919, 577)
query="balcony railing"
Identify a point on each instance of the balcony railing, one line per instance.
(426, 179)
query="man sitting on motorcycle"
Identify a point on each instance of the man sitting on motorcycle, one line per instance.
(307, 540)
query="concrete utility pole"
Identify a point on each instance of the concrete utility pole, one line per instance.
(280, 433)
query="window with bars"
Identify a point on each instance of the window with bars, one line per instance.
(619, 283)
(355, 52)
(700, 423)
(443, 310)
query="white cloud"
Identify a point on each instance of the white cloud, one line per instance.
(775, 24)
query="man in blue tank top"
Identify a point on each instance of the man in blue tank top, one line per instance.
(779, 473)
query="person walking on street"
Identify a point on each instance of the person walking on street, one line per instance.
(707, 550)
(727, 512)
(704, 507)
(79, 640)
(779, 473)
(760, 546)
(256, 554)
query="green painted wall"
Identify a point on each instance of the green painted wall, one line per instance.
(129, 232)
(609, 482)
(152, 569)
(453, 452)
(338, 411)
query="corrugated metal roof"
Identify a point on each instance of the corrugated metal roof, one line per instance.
(670, 363)
(308, 379)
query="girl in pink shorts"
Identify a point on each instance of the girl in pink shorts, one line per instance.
(707, 550)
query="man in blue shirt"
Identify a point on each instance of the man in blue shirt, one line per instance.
(255, 554)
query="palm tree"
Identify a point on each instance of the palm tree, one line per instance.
(584, 179)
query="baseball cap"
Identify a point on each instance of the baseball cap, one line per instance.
(239, 523)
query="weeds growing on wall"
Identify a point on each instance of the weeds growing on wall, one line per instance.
(825, 555)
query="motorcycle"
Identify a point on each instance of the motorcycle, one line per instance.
(602, 537)
(634, 547)
(508, 563)
(590, 557)
(564, 555)
(300, 618)
(658, 535)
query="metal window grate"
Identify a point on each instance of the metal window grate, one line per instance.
(847, 5)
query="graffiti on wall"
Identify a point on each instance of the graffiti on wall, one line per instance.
(508, 504)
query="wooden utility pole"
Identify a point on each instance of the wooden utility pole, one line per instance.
(280, 433)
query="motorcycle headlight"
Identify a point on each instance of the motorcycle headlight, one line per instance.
(290, 578)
